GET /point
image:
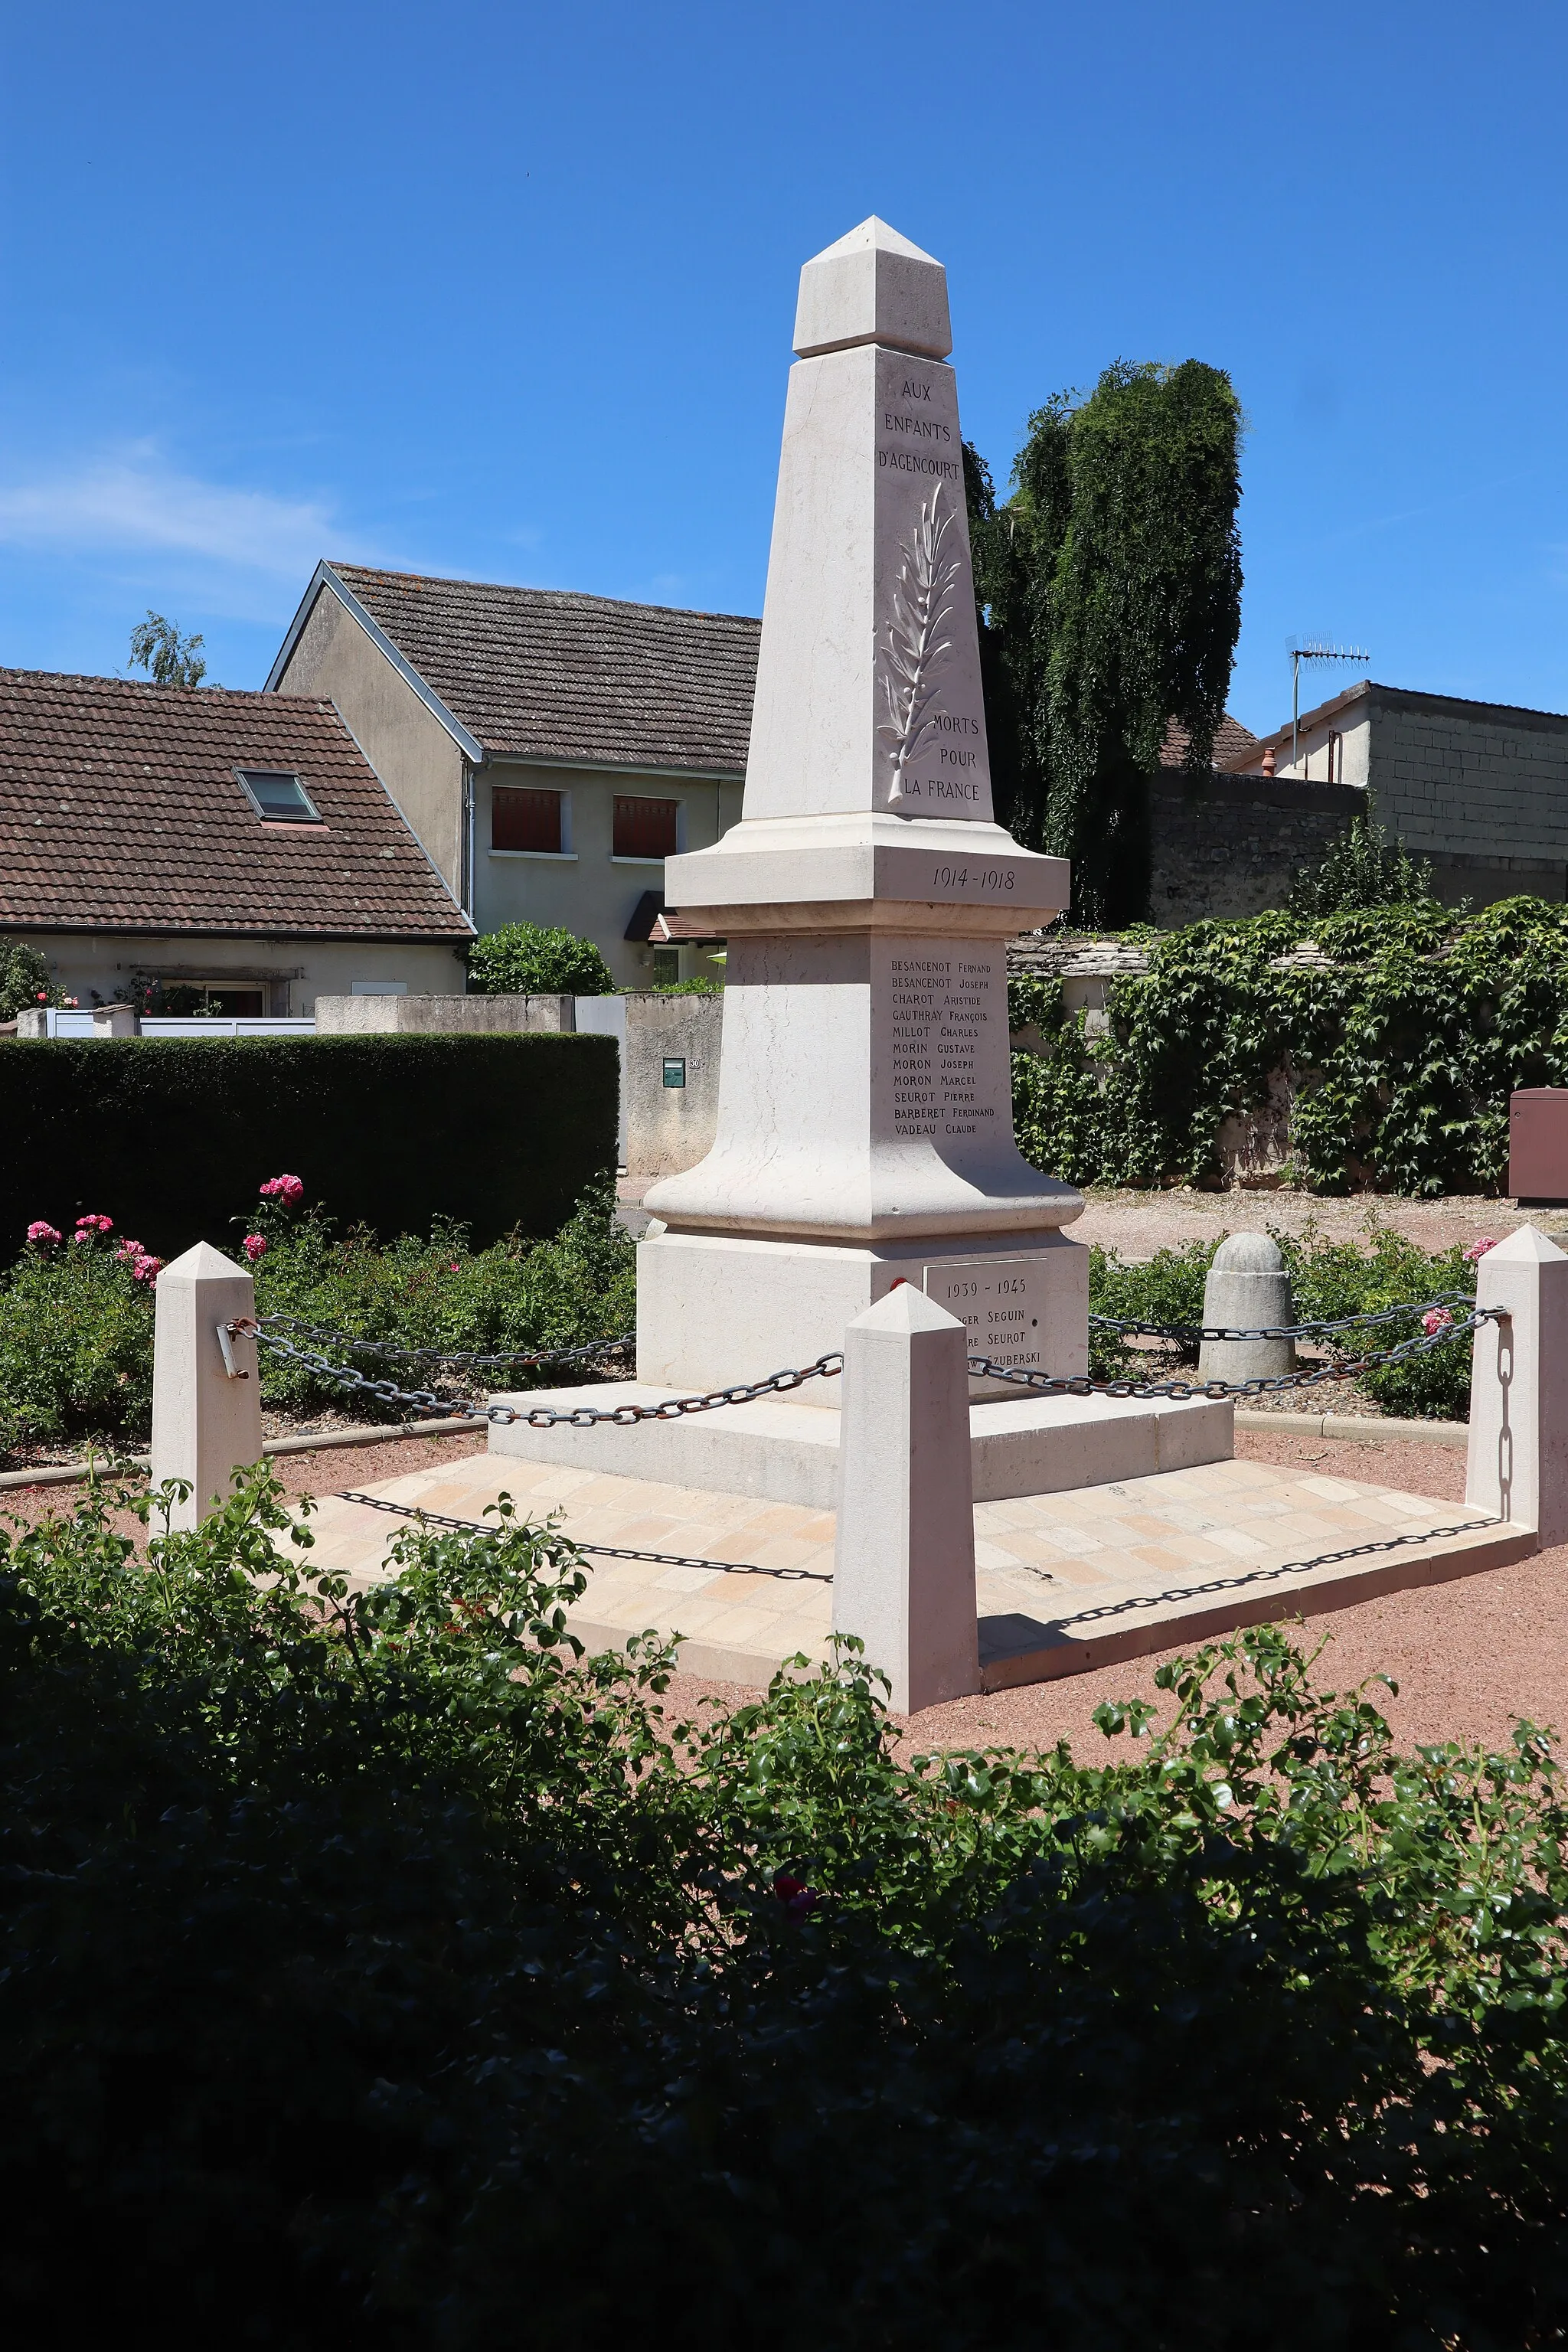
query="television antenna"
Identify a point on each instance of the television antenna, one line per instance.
(1315, 651)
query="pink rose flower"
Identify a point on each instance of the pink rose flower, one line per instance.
(287, 1189)
(90, 1225)
(147, 1269)
(1479, 1249)
(1436, 1318)
(44, 1235)
(799, 1900)
(254, 1246)
(130, 1249)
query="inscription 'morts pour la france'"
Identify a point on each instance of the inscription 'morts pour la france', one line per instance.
(931, 719)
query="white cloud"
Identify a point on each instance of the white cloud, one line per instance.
(133, 499)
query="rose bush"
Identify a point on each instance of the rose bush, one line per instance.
(75, 1323)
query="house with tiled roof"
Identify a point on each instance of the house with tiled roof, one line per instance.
(549, 748)
(240, 848)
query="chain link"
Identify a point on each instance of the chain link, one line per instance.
(1348, 1369)
(602, 1551)
(828, 1367)
(621, 1416)
(464, 1359)
(1449, 1300)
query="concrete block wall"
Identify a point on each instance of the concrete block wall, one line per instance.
(1480, 789)
(1231, 846)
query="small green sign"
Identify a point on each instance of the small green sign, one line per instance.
(675, 1070)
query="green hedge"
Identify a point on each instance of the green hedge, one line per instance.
(498, 1133)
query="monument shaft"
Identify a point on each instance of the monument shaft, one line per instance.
(865, 1130)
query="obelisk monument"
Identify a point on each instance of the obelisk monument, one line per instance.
(865, 1130)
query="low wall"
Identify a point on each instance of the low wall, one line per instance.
(668, 1045)
(441, 1016)
(669, 1127)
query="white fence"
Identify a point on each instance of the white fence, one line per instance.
(205, 1026)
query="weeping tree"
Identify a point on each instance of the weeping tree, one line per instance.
(1110, 588)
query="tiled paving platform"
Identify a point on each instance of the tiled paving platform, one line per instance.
(1065, 1582)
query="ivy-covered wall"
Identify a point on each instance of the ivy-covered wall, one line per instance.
(1397, 1054)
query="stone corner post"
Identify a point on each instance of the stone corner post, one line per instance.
(205, 1423)
(904, 1564)
(1518, 1461)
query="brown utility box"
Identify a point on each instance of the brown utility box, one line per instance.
(1538, 1144)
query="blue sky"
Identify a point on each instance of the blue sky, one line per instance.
(506, 291)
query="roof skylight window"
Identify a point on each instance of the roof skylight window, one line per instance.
(277, 794)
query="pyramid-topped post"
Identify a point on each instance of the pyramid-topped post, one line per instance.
(1518, 1459)
(206, 1405)
(903, 1575)
(864, 1127)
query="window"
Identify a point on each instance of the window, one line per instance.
(526, 820)
(645, 828)
(278, 795)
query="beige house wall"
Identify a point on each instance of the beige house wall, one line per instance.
(405, 743)
(293, 971)
(587, 888)
(1352, 753)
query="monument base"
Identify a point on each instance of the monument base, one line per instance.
(786, 1451)
(715, 1309)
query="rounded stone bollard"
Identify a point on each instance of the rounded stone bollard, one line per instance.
(1247, 1290)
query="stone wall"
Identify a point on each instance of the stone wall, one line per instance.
(453, 1016)
(1231, 846)
(670, 1128)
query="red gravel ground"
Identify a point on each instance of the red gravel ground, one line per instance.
(1468, 1657)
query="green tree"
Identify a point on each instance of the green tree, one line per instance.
(527, 959)
(169, 659)
(1361, 870)
(1110, 584)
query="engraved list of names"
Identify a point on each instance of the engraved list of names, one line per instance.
(943, 1044)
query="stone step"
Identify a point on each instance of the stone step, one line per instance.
(787, 1452)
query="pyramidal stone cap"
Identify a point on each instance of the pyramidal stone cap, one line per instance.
(873, 286)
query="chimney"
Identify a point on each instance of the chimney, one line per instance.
(1268, 759)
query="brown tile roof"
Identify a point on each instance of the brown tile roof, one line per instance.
(1232, 744)
(544, 674)
(120, 810)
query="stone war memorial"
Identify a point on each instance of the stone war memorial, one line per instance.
(864, 1196)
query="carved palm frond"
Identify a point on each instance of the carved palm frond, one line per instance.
(913, 645)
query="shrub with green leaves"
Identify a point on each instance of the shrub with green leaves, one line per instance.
(1401, 1051)
(1328, 1280)
(530, 959)
(23, 978)
(381, 1972)
(76, 1317)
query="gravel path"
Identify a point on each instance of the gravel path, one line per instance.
(1138, 1223)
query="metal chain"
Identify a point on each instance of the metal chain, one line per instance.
(1449, 1300)
(828, 1367)
(1348, 1369)
(621, 1416)
(468, 1359)
(604, 1551)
